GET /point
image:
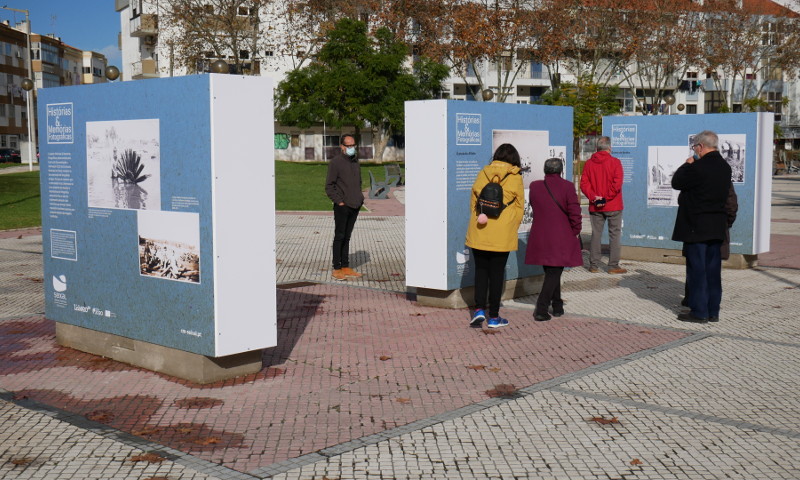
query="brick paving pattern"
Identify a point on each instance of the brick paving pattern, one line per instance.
(367, 384)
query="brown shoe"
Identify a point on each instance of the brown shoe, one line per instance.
(350, 272)
(593, 270)
(617, 270)
(339, 274)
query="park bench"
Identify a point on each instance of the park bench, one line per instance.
(379, 190)
(393, 175)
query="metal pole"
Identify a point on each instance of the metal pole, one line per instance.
(31, 106)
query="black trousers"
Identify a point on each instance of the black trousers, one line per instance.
(344, 219)
(489, 274)
(551, 290)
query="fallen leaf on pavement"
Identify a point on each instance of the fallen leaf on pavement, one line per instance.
(148, 457)
(604, 421)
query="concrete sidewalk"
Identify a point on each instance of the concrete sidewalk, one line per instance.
(367, 384)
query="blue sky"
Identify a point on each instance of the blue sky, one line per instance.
(84, 24)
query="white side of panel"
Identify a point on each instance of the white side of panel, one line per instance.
(243, 199)
(762, 216)
(426, 194)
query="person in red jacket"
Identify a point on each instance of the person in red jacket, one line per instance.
(602, 184)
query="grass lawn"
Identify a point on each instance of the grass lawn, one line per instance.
(299, 186)
(20, 200)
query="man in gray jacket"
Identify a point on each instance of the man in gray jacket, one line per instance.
(343, 187)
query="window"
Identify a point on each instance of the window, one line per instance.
(691, 109)
(246, 12)
(330, 140)
(771, 34)
(775, 100)
(87, 69)
(96, 72)
(244, 54)
(269, 53)
(2, 110)
(714, 101)
(506, 63)
(691, 75)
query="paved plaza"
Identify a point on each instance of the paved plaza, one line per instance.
(367, 384)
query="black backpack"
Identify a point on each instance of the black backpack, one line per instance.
(490, 200)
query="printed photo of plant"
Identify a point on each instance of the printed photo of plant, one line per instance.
(123, 164)
(169, 245)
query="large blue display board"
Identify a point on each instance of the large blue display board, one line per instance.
(651, 148)
(143, 185)
(447, 144)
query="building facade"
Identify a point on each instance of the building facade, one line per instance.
(53, 64)
(13, 106)
(146, 38)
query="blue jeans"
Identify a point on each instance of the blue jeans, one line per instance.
(704, 277)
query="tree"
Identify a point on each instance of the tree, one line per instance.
(655, 68)
(764, 52)
(197, 32)
(590, 102)
(486, 42)
(360, 80)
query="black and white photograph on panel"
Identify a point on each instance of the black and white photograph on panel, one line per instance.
(662, 161)
(169, 245)
(123, 164)
(533, 148)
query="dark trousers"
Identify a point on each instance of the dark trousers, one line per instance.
(551, 290)
(704, 277)
(344, 219)
(489, 274)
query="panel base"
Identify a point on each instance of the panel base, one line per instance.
(170, 361)
(664, 255)
(464, 297)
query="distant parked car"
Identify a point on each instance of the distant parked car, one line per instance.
(10, 155)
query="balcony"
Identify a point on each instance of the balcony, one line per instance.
(144, 25)
(146, 68)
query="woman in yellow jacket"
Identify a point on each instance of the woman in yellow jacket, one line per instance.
(491, 239)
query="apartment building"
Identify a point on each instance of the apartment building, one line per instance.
(13, 105)
(53, 64)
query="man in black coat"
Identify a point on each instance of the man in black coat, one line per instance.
(704, 181)
(343, 187)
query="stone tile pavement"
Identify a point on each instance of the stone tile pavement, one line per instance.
(366, 384)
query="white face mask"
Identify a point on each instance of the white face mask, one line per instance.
(350, 151)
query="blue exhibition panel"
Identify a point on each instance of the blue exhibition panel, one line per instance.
(651, 148)
(128, 210)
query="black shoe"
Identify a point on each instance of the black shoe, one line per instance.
(541, 317)
(557, 312)
(713, 319)
(689, 317)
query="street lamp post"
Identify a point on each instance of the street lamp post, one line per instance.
(30, 92)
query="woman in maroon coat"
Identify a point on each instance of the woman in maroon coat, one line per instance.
(553, 242)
